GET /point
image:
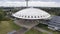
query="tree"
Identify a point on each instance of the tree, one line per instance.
(2, 15)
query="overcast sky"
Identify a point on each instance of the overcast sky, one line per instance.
(34, 0)
(40, 3)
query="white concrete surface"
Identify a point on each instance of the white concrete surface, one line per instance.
(32, 13)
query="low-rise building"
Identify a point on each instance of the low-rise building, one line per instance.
(54, 23)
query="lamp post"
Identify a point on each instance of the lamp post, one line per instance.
(26, 3)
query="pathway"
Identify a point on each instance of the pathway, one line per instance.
(21, 31)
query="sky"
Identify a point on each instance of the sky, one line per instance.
(43, 3)
(34, 0)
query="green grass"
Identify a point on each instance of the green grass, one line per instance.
(7, 26)
(46, 28)
(44, 33)
(33, 31)
(43, 26)
(14, 26)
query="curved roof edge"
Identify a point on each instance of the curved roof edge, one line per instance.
(31, 13)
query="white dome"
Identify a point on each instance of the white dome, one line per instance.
(31, 13)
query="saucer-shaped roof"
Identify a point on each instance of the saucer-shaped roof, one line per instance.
(31, 13)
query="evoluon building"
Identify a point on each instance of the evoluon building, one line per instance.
(32, 13)
(38, 15)
(30, 17)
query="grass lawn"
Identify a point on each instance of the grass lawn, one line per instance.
(8, 26)
(46, 28)
(33, 31)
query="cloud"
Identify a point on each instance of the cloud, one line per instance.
(34, 0)
(44, 4)
(31, 3)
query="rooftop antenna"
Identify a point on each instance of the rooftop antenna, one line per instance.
(26, 3)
